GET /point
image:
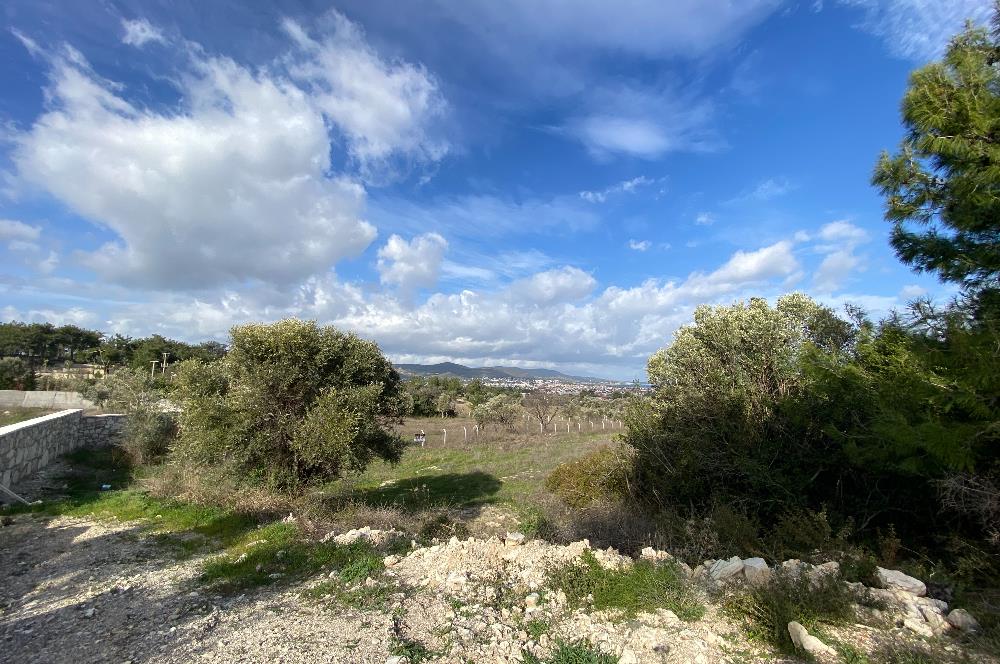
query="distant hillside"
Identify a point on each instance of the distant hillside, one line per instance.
(468, 373)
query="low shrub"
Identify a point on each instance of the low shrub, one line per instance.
(642, 586)
(148, 435)
(601, 475)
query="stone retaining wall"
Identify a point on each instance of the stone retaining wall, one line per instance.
(42, 399)
(27, 447)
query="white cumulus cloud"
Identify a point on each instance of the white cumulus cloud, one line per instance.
(384, 108)
(839, 240)
(234, 184)
(12, 230)
(412, 265)
(565, 284)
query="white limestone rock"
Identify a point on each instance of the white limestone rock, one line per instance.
(963, 620)
(725, 569)
(756, 571)
(896, 580)
(918, 625)
(807, 642)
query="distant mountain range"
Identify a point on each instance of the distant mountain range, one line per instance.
(468, 373)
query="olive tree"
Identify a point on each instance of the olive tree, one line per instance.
(718, 418)
(291, 403)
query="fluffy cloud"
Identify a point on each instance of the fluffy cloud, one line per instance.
(140, 32)
(639, 245)
(565, 284)
(383, 108)
(551, 316)
(705, 219)
(235, 185)
(839, 239)
(919, 29)
(412, 265)
(18, 232)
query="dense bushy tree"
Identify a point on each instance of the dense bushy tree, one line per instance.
(790, 407)
(942, 188)
(502, 411)
(714, 421)
(291, 402)
(16, 374)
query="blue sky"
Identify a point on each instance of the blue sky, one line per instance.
(536, 182)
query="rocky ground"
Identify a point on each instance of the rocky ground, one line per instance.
(76, 590)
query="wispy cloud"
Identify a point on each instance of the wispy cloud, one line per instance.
(623, 187)
(919, 29)
(644, 122)
(639, 245)
(765, 190)
(139, 32)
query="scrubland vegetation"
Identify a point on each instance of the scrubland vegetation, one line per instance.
(775, 429)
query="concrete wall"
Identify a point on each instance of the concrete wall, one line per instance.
(29, 446)
(42, 399)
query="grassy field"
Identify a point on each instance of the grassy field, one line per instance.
(18, 414)
(494, 468)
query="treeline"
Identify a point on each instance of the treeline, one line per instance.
(504, 407)
(44, 344)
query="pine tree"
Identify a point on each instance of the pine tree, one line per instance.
(942, 188)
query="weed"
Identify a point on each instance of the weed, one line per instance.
(575, 652)
(536, 628)
(765, 610)
(642, 586)
(403, 646)
(601, 475)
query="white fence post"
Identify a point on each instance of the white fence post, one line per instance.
(465, 432)
(445, 437)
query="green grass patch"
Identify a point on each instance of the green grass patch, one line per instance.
(16, 414)
(499, 468)
(642, 586)
(185, 526)
(765, 610)
(575, 652)
(278, 551)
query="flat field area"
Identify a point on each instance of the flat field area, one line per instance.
(495, 467)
